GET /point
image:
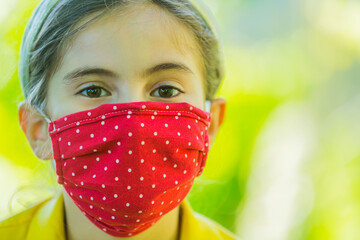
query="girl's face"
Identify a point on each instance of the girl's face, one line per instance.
(142, 54)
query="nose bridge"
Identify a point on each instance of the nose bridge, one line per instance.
(131, 90)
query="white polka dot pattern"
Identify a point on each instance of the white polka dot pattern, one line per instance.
(129, 171)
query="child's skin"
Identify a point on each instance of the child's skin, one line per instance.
(127, 45)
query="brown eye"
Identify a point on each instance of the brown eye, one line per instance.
(166, 92)
(94, 92)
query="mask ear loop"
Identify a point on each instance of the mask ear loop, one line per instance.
(207, 105)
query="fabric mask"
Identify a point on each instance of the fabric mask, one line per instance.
(126, 165)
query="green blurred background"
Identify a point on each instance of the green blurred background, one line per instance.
(286, 163)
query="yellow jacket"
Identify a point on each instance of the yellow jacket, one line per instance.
(44, 221)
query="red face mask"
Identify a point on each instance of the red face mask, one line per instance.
(126, 165)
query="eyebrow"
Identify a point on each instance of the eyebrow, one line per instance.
(84, 71)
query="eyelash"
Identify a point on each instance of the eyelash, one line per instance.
(151, 94)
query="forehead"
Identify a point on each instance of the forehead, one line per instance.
(138, 29)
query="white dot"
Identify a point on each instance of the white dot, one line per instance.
(115, 195)
(89, 114)
(78, 123)
(65, 119)
(153, 186)
(102, 123)
(175, 165)
(128, 116)
(185, 155)
(193, 160)
(129, 170)
(81, 147)
(167, 142)
(80, 196)
(160, 213)
(114, 210)
(189, 126)
(138, 220)
(142, 125)
(155, 133)
(140, 211)
(116, 179)
(103, 116)
(85, 167)
(141, 178)
(165, 158)
(103, 185)
(130, 152)
(154, 150)
(153, 168)
(142, 142)
(91, 206)
(143, 106)
(109, 151)
(114, 107)
(117, 160)
(166, 125)
(206, 144)
(162, 203)
(140, 196)
(116, 127)
(91, 198)
(202, 133)
(82, 183)
(152, 202)
(104, 139)
(164, 175)
(189, 143)
(176, 182)
(129, 112)
(152, 117)
(112, 217)
(176, 117)
(127, 204)
(104, 198)
(71, 194)
(95, 150)
(73, 174)
(178, 134)
(92, 135)
(130, 134)
(142, 160)
(60, 139)
(69, 143)
(196, 120)
(128, 187)
(97, 159)
(167, 107)
(94, 176)
(126, 217)
(77, 130)
(118, 143)
(185, 171)
(179, 114)
(191, 108)
(105, 168)
(177, 150)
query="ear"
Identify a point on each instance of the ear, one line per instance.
(35, 127)
(217, 110)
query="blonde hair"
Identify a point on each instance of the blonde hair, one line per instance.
(53, 24)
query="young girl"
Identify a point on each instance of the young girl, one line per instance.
(119, 95)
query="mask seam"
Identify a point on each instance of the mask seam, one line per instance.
(135, 110)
